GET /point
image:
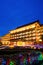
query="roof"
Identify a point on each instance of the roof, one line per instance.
(29, 24)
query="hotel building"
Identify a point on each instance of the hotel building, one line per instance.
(27, 34)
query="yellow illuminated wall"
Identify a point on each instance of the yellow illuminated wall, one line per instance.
(34, 35)
(6, 39)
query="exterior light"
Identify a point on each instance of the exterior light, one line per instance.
(40, 40)
(19, 43)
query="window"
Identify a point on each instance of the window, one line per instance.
(38, 30)
(33, 34)
(33, 31)
(27, 32)
(33, 37)
(30, 35)
(23, 33)
(27, 38)
(15, 37)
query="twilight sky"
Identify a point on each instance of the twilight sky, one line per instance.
(14, 13)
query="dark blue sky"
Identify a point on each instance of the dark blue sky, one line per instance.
(14, 13)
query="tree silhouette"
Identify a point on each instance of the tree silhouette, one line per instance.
(0, 43)
(42, 37)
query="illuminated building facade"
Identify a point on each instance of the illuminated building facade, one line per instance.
(24, 35)
(5, 39)
(27, 34)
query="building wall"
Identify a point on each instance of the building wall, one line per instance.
(24, 36)
(6, 39)
(29, 34)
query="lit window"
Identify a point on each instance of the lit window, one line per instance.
(26, 32)
(26, 35)
(33, 37)
(33, 31)
(23, 36)
(23, 28)
(15, 37)
(42, 32)
(14, 42)
(19, 37)
(23, 33)
(27, 28)
(30, 35)
(38, 30)
(27, 39)
(38, 37)
(33, 26)
(33, 34)
(29, 32)
(38, 33)
(20, 34)
(40, 40)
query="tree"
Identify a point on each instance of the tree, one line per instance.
(42, 37)
(0, 43)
